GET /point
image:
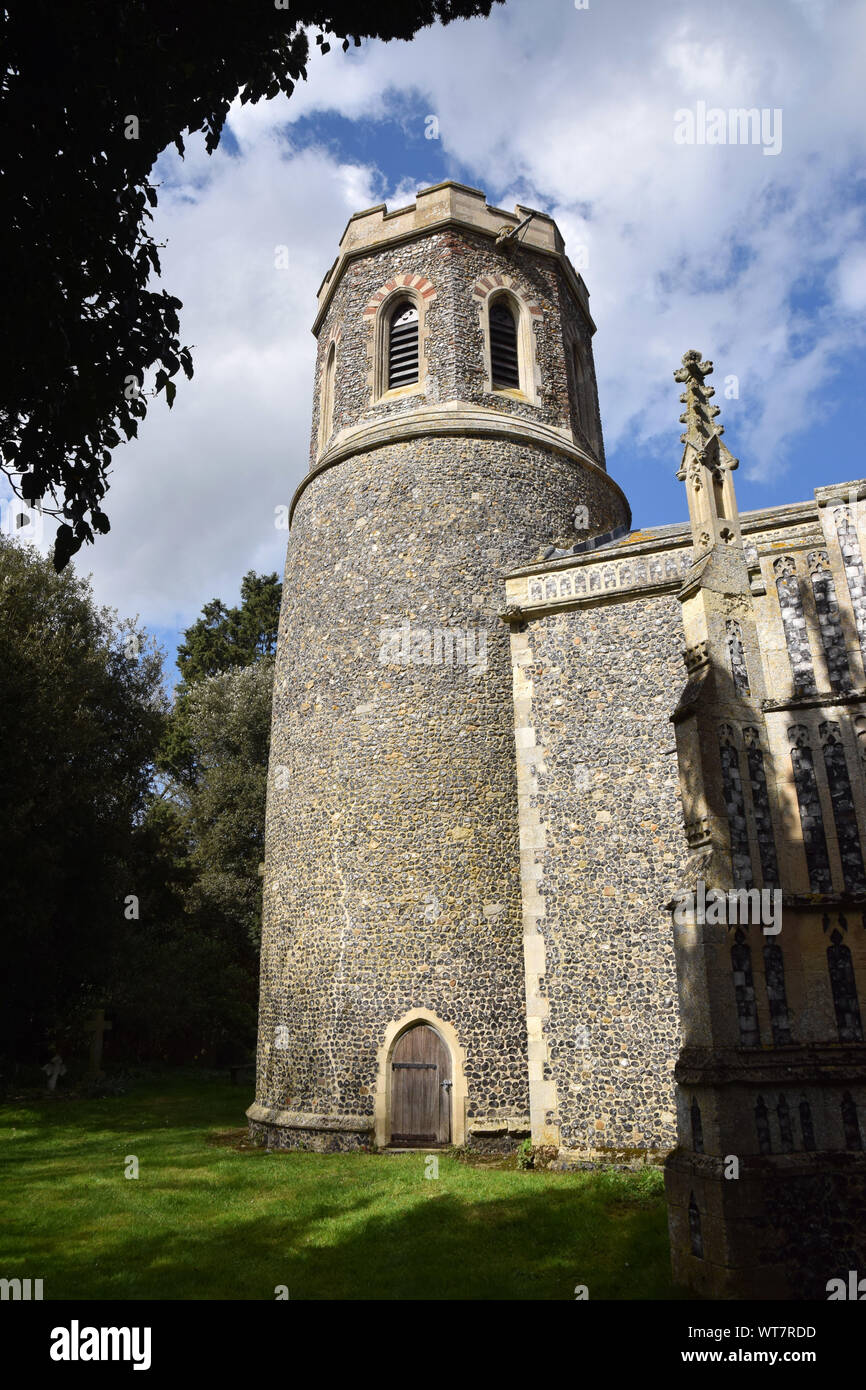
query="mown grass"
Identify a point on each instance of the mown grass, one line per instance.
(210, 1218)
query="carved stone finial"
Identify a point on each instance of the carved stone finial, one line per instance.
(706, 462)
(698, 415)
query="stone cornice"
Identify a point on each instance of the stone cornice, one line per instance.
(819, 701)
(453, 418)
(529, 610)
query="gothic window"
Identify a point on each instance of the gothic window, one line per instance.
(794, 624)
(850, 1123)
(852, 560)
(695, 1237)
(732, 787)
(326, 399)
(785, 1131)
(761, 807)
(403, 345)
(774, 973)
(744, 991)
(811, 818)
(829, 620)
(504, 357)
(697, 1128)
(762, 1126)
(806, 1124)
(843, 806)
(844, 987)
(737, 657)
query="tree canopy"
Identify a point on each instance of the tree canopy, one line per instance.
(123, 886)
(82, 712)
(224, 638)
(92, 92)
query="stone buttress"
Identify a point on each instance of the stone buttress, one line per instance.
(767, 1187)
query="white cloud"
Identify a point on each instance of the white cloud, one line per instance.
(192, 501)
(852, 280)
(571, 110)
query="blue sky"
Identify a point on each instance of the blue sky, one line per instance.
(757, 260)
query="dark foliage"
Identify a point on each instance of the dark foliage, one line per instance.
(92, 92)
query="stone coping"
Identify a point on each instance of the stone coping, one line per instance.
(454, 418)
(297, 1119)
(671, 536)
(818, 701)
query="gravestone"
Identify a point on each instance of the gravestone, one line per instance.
(97, 1026)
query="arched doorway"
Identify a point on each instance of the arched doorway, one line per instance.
(421, 1087)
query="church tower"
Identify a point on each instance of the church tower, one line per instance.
(455, 433)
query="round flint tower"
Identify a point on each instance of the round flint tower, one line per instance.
(455, 436)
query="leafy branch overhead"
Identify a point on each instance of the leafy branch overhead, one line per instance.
(92, 93)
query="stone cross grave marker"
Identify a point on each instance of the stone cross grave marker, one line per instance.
(97, 1026)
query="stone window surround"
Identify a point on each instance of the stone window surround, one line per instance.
(486, 292)
(737, 734)
(418, 290)
(798, 550)
(810, 720)
(327, 383)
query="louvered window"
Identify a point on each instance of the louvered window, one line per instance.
(505, 367)
(403, 346)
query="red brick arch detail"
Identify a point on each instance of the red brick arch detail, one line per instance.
(486, 284)
(419, 283)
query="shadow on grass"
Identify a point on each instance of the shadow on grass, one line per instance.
(538, 1245)
(206, 1223)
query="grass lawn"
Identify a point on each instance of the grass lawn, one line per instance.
(211, 1218)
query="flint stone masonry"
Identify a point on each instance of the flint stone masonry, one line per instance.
(452, 339)
(794, 623)
(495, 847)
(844, 985)
(400, 780)
(852, 559)
(844, 813)
(811, 814)
(604, 790)
(761, 806)
(735, 806)
(829, 621)
(392, 880)
(737, 657)
(774, 974)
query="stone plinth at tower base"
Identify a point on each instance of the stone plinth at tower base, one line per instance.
(782, 1229)
(288, 1129)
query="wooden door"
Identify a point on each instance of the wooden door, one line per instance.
(420, 1090)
